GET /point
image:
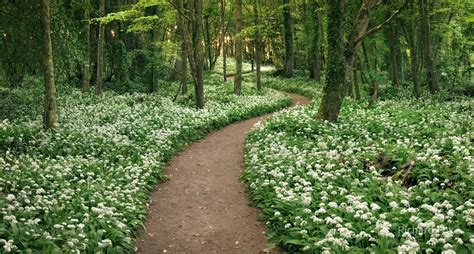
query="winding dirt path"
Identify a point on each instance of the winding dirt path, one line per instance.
(203, 207)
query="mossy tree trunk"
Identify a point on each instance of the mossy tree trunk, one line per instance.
(333, 90)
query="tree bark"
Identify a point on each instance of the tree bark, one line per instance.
(100, 50)
(49, 115)
(238, 49)
(288, 34)
(427, 51)
(87, 35)
(257, 44)
(332, 92)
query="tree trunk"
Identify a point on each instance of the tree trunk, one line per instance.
(49, 115)
(393, 55)
(257, 44)
(288, 34)
(198, 54)
(238, 49)
(184, 61)
(223, 42)
(314, 54)
(87, 35)
(427, 51)
(100, 50)
(356, 82)
(332, 93)
(208, 42)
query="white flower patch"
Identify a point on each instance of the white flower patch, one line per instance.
(84, 186)
(398, 173)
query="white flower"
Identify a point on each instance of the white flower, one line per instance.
(9, 246)
(10, 197)
(104, 243)
(393, 204)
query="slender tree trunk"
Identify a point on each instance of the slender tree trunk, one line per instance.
(331, 102)
(257, 44)
(315, 53)
(100, 50)
(427, 51)
(288, 34)
(356, 82)
(208, 42)
(184, 62)
(393, 55)
(223, 42)
(374, 87)
(87, 35)
(198, 54)
(49, 115)
(238, 49)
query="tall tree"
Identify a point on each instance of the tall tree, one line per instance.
(238, 48)
(288, 36)
(100, 50)
(258, 43)
(49, 115)
(332, 92)
(427, 51)
(87, 35)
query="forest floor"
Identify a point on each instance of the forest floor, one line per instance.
(203, 208)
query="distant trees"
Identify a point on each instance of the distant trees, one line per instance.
(139, 44)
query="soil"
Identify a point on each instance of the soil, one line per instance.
(203, 208)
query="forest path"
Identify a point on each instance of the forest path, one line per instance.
(203, 207)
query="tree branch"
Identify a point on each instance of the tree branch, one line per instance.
(379, 26)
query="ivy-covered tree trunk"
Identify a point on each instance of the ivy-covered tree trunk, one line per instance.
(427, 51)
(238, 49)
(257, 44)
(332, 92)
(288, 34)
(314, 50)
(49, 114)
(100, 50)
(87, 35)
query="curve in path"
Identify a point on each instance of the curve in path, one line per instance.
(203, 207)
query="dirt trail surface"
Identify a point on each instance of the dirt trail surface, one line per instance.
(203, 207)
